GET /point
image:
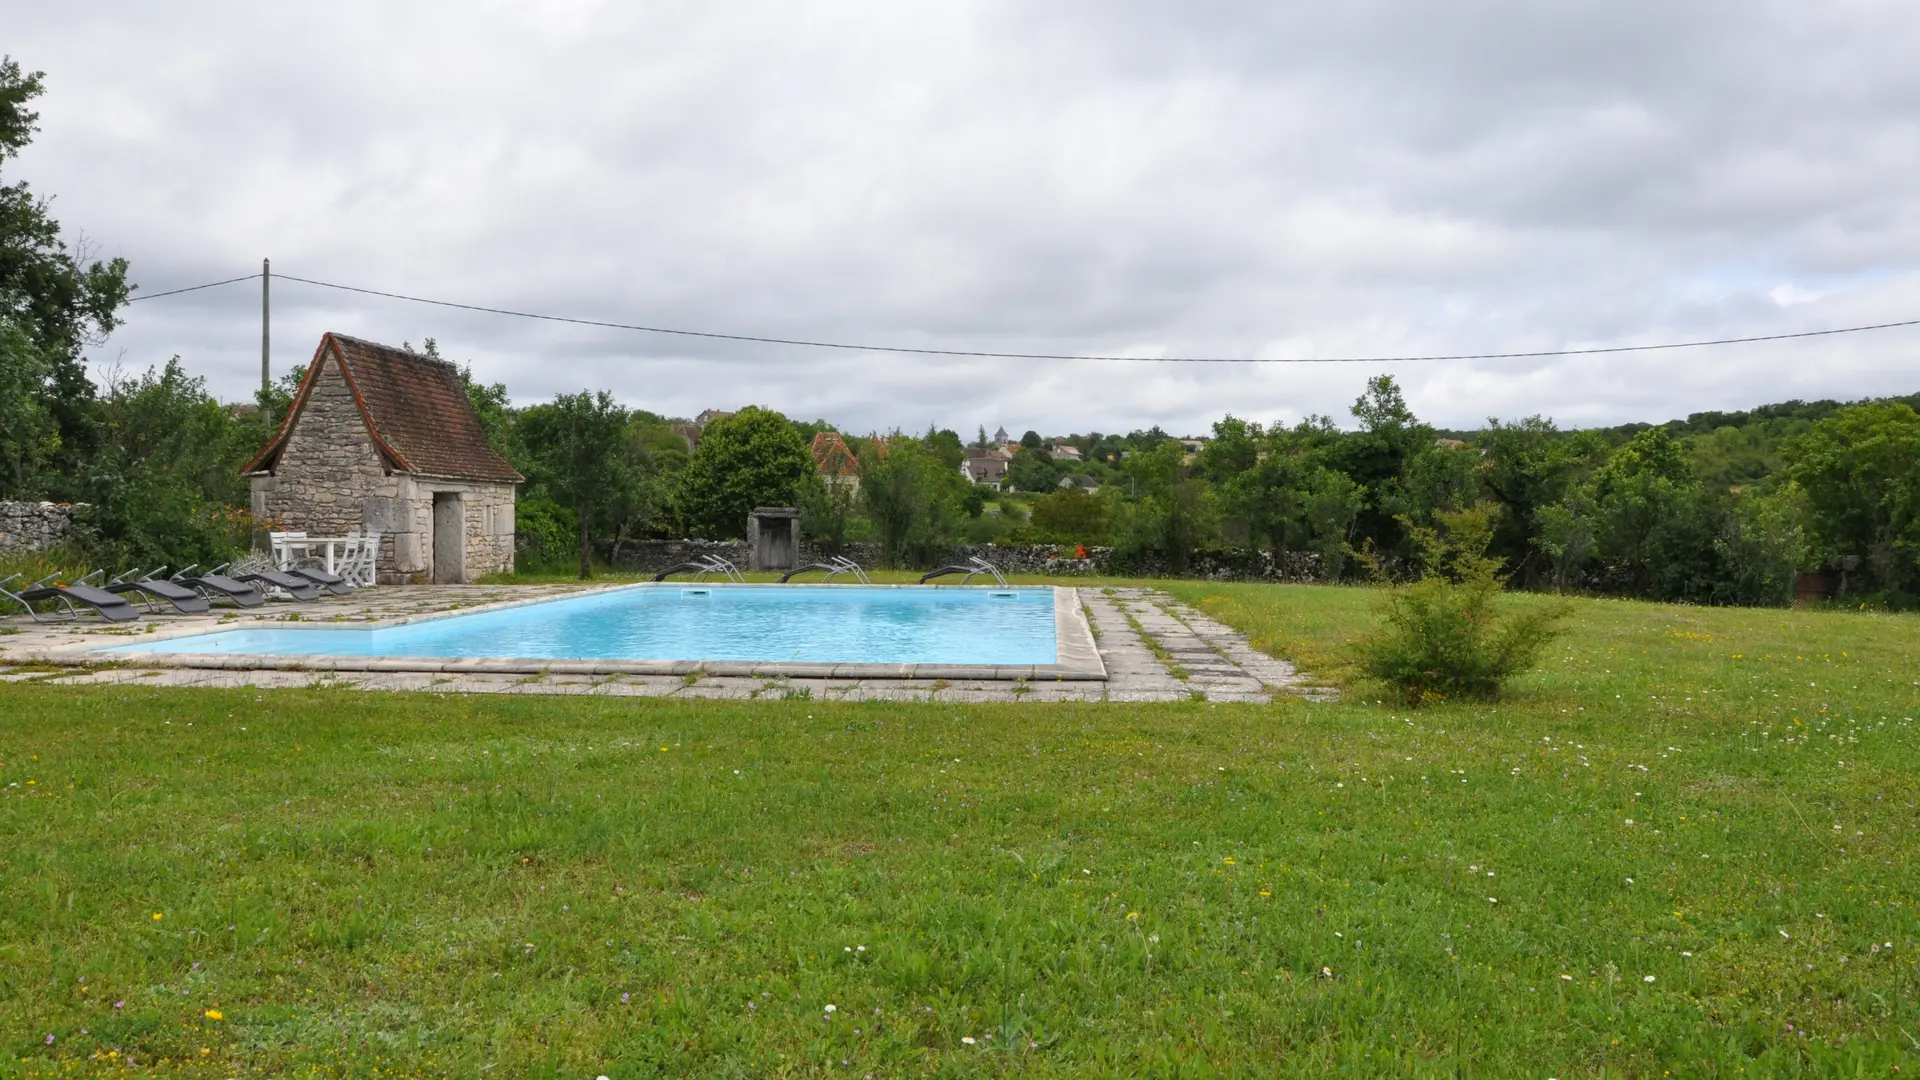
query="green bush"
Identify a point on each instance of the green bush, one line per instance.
(1445, 636)
(545, 535)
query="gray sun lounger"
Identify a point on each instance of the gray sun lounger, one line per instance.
(701, 567)
(297, 587)
(72, 597)
(153, 590)
(327, 580)
(833, 567)
(214, 585)
(973, 567)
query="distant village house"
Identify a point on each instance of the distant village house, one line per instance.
(986, 465)
(838, 465)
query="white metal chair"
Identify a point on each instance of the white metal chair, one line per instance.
(360, 559)
(287, 548)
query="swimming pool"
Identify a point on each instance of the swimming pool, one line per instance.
(849, 625)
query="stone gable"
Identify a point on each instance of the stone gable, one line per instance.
(325, 474)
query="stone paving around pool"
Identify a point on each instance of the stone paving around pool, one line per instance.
(1154, 648)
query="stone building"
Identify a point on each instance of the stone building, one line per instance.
(384, 439)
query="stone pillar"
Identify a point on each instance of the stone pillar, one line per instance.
(773, 538)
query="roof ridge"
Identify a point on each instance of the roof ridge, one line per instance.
(397, 350)
(414, 406)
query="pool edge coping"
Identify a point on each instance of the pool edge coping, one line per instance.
(1077, 655)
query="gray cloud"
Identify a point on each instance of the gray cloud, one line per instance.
(1145, 179)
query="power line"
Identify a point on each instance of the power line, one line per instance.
(987, 355)
(1132, 359)
(191, 288)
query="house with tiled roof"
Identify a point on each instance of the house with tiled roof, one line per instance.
(986, 465)
(838, 465)
(384, 440)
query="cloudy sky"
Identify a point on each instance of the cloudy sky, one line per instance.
(1374, 177)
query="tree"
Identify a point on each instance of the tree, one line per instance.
(29, 437)
(162, 480)
(652, 456)
(1437, 478)
(828, 511)
(752, 458)
(1174, 512)
(1033, 470)
(1567, 534)
(1376, 458)
(946, 446)
(809, 428)
(1762, 548)
(1332, 508)
(61, 300)
(1279, 491)
(1234, 449)
(1072, 516)
(1860, 472)
(1528, 465)
(914, 501)
(1655, 530)
(578, 447)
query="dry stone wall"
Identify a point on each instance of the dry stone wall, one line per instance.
(653, 556)
(34, 526)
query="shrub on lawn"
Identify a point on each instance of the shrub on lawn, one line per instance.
(1445, 635)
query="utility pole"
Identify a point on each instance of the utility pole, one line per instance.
(266, 369)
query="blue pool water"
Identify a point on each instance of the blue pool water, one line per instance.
(840, 624)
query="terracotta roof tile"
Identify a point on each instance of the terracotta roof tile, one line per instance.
(416, 410)
(833, 456)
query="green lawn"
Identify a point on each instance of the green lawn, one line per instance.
(1687, 844)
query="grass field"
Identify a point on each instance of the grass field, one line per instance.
(1687, 844)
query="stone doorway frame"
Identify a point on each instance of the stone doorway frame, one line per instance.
(447, 538)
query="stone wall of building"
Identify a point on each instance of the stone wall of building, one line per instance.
(34, 526)
(486, 511)
(331, 478)
(653, 556)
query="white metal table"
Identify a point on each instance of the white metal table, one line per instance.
(353, 555)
